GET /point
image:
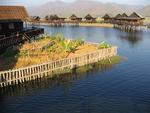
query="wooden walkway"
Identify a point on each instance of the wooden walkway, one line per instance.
(21, 75)
(133, 28)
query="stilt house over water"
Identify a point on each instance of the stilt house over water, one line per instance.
(74, 18)
(89, 18)
(107, 18)
(12, 19)
(13, 26)
(54, 18)
(134, 19)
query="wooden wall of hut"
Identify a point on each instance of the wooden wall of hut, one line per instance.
(10, 26)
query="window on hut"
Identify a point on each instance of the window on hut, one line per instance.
(11, 26)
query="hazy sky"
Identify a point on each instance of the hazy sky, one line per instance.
(38, 2)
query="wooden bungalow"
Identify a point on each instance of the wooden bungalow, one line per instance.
(54, 18)
(124, 15)
(12, 19)
(89, 18)
(74, 18)
(35, 18)
(124, 19)
(13, 26)
(119, 19)
(135, 19)
(107, 18)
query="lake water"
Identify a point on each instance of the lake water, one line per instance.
(121, 88)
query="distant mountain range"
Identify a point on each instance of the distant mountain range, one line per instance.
(84, 7)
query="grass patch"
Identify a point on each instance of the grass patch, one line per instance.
(90, 67)
(47, 48)
(113, 60)
(85, 68)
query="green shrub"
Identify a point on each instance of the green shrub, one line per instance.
(68, 45)
(103, 45)
(23, 53)
(59, 37)
(79, 41)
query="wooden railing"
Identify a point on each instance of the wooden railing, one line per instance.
(21, 75)
(19, 37)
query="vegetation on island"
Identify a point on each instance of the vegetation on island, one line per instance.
(104, 45)
(46, 48)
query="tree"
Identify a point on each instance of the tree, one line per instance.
(46, 17)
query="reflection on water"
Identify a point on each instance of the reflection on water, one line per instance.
(47, 83)
(123, 89)
(132, 38)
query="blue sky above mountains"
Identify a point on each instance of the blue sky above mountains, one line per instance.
(39, 2)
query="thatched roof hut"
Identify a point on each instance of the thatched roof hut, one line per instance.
(12, 18)
(124, 15)
(133, 19)
(35, 18)
(135, 16)
(89, 17)
(118, 16)
(106, 16)
(53, 17)
(73, 17)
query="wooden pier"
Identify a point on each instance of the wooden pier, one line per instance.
(132, 28)
(17, 76)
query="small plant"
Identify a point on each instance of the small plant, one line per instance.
(103, 45)
(23, 53)
(79, 41)
(59, 37)
(68, 45)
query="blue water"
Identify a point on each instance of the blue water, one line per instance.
(121, 88)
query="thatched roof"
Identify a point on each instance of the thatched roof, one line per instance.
(135, 16)
(13, 12)
(124, 15)
(53, 17)
(118, 16)
(106, 16)
(88, 17)
(73, 16)
(37, 18)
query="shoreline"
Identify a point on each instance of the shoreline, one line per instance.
(73, 24)
(96, 25)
